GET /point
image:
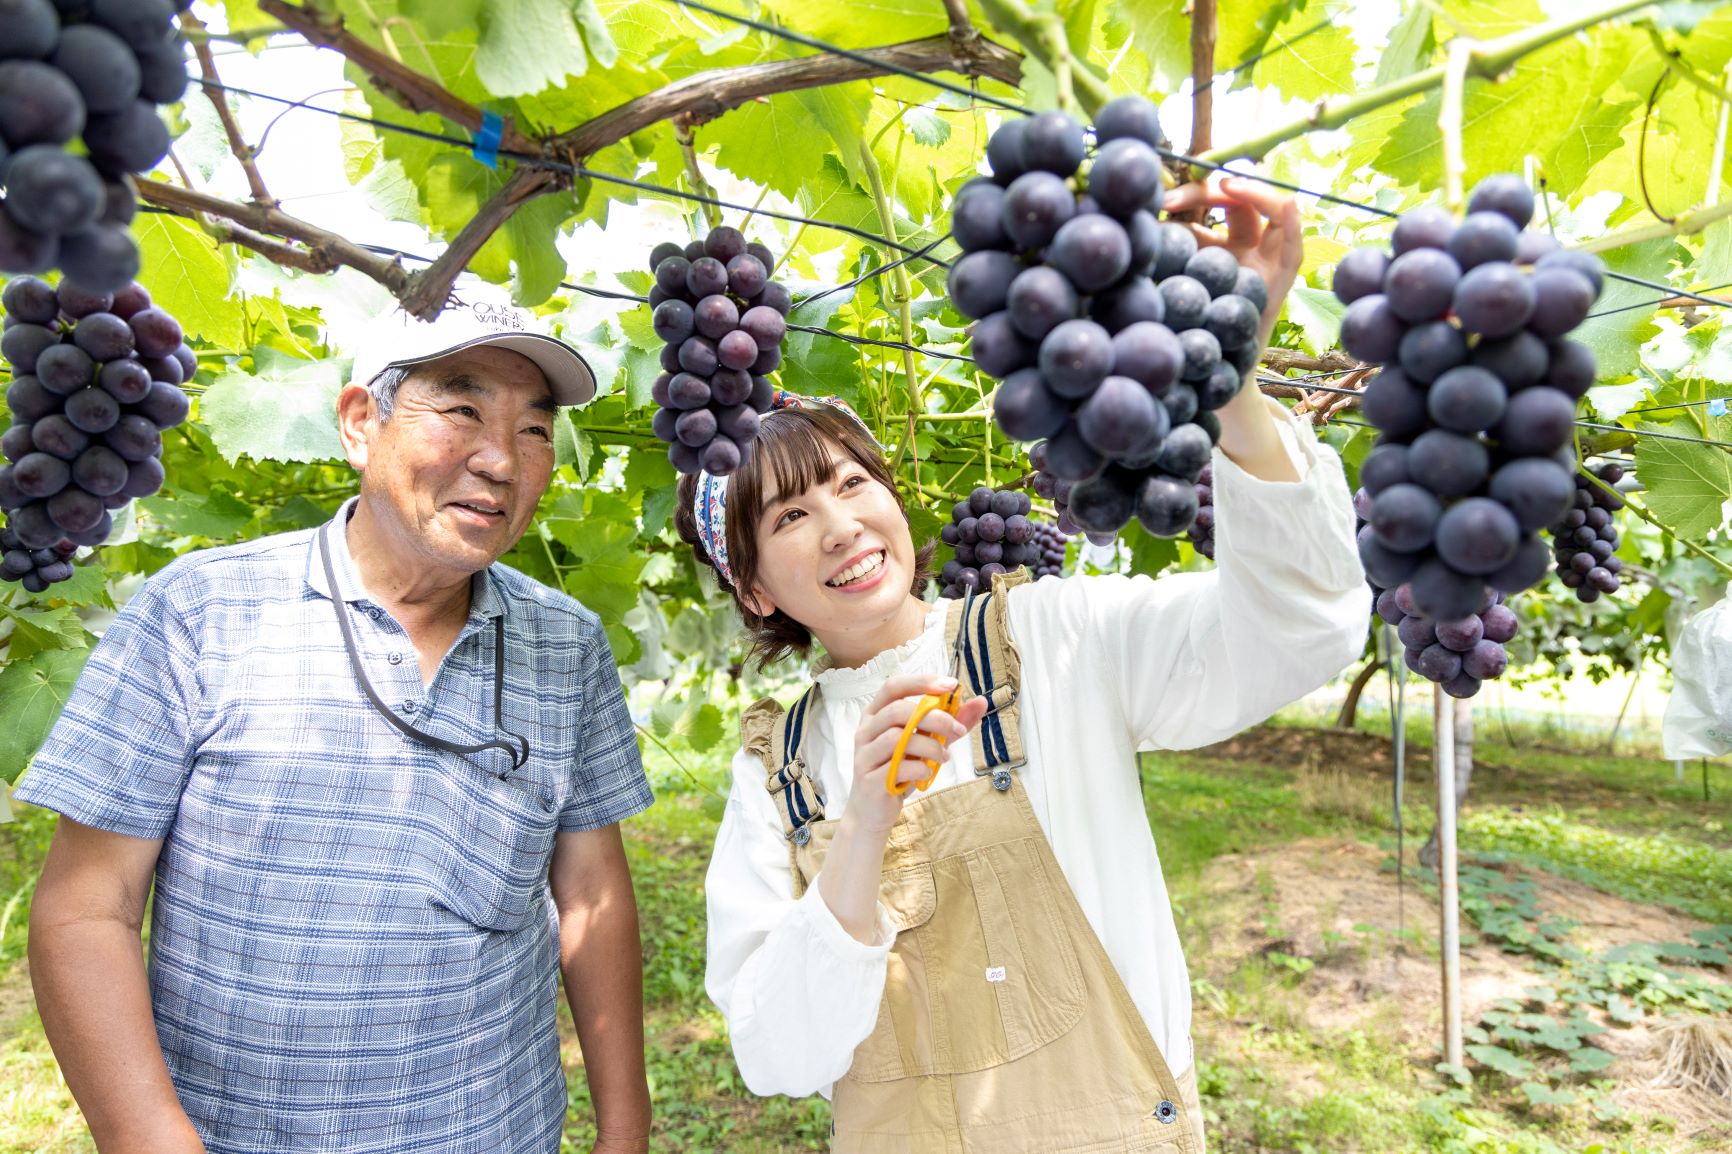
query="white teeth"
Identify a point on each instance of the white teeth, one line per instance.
(854, 572)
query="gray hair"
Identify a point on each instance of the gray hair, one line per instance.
(384, 388)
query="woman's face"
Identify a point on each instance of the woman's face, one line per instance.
(837, 558)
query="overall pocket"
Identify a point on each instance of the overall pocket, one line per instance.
(982, 972)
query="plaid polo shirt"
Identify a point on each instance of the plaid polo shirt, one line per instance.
(352, 945)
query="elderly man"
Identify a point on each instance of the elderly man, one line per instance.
(377, 777)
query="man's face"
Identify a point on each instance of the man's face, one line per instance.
(456, 473)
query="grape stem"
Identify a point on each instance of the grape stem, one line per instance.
(1641, 511)
(238, 145)
(1043, 35)
(1449, 118)
(1202, 75)
(904, 307)
(688, 143)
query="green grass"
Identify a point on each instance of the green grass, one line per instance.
(1620, 824)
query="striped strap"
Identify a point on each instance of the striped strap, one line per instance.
(993, 669)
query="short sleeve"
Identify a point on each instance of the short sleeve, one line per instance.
(608, 782)
(120, 754)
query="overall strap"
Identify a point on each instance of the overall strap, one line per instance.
(992, 668)
(778, 738)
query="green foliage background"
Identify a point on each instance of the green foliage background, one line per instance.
(886, 156)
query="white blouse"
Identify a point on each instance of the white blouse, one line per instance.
(1110, 665)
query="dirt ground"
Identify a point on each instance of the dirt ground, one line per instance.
(1283, 899)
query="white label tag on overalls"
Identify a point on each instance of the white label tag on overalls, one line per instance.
(995, 973)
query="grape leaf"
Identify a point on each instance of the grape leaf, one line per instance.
(218, 516)
(1319, 65)
(188, 277)
(528, 45)
(1318, 314)
(31, 696)
(284, 410)
(37, 630)
(1411, 44)
(1687, 483)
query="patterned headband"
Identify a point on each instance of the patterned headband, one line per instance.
(710, 499)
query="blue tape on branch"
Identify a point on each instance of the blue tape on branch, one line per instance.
(1717, 408)
(487, 138)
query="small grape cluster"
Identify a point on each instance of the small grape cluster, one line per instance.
(1476, 401)
(991, 533)
(95, 380)
(1202, 530)
(1113, 335)
(1585, 540)
(723, 320)
(95, 71)
(1458, 654)
(1049, 550)
(35, 569)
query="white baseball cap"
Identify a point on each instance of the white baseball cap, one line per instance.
(400, 340)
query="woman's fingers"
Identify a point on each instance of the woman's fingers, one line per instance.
(911, 685)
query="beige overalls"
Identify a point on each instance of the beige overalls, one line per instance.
(1004, 1027)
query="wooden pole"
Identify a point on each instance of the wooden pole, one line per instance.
(1443, 765)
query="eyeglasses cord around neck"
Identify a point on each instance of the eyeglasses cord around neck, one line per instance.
(517, 748)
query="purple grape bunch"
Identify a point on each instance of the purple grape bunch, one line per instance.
(1113, 335)
(991, 533)
(1049, 550)
(722, 320)
(93, 72)
(1459, 653)
(1585, 539)
(1476, 401)
(96, 379)
(1202, 530)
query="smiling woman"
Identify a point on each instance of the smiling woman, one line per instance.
(806, 462)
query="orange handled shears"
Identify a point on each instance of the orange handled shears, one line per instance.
(948, 703)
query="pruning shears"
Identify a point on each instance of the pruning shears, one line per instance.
(948, 703)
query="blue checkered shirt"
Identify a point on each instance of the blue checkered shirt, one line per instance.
(352, 946)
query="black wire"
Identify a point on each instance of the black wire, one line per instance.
(1660, 286)
(1657, 300)
(579, 170)
(1652, 433)
(873, 274)
(1682, 405)
(1181, 158)
(860, 57)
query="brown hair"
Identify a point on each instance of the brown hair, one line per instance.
(793, 451)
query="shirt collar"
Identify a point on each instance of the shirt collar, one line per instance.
(484, 600)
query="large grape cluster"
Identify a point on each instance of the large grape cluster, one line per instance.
(1585, 540)
(95, 380)
(723, 320)
(1113, 335)
(1476, 400)
(1049, 550)
(93, 71)
(1202, 530)
(991, 533)
(1459, 653)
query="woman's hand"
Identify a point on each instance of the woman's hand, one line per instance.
(1263, 232)
(881, 728)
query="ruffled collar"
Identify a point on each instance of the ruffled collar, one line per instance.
(837, 683)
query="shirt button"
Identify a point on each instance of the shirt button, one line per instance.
(410, 706)
(395, 658)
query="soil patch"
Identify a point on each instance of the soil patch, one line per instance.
(1333, 904)
(1296, 749)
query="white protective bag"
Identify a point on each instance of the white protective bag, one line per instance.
(1698, 719)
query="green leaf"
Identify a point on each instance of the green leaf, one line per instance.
(88, 586)
(1688, 484)
(218, 516)
(1503, 1061)
(284, 410)
(188, 277)
(596, 37)
(38, 630)
(1318, 314)
(528, 45)
(1539, 1094)
(927, 127)
(32, 694)
(1410, 46)
(1589, 1059)
(1319, 65)
(1616, 338)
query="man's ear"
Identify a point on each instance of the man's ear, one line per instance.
(357, 423)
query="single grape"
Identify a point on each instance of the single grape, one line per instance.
(1026, 409)
(1425, 227)
(1484, 237)
(1420, 284)
(1136, 300)
(1506, 194)
(976, 216)
(1125, 177)
(1466, 400)
(1360, 274)
(1370, 330)
(1039, 300)
(998, 348)
(1150, 354)
(980, 281)
(1494, 300)
(1091, 250)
